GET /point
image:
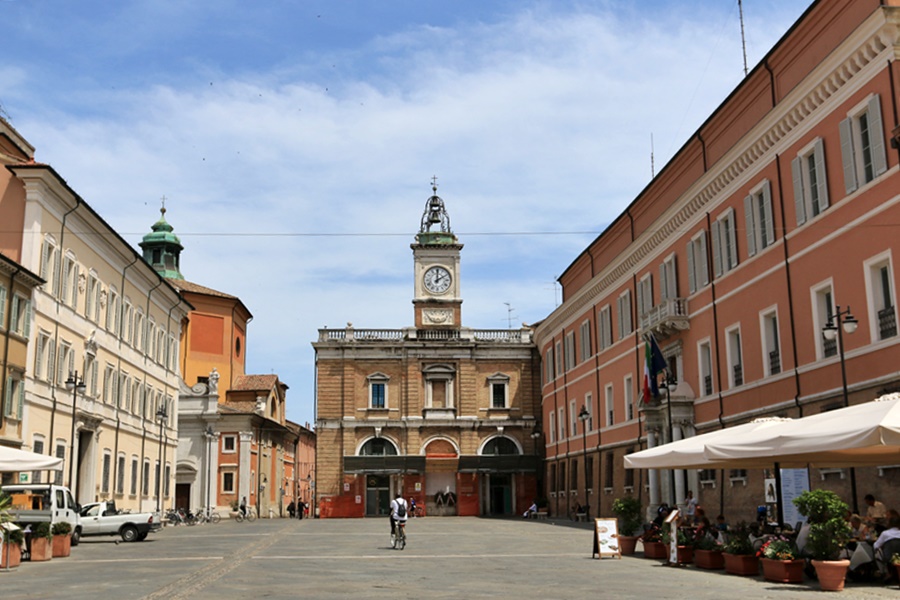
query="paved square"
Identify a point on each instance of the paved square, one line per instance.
(352, 558)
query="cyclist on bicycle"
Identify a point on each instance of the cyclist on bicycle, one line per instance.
(399, 512)
(412, 506)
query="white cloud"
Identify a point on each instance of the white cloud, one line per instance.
(538, 123)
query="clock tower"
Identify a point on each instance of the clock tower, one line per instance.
(437, 302)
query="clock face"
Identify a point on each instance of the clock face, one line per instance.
(437, 280)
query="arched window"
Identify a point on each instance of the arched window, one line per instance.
(378, 447)
(500, 445)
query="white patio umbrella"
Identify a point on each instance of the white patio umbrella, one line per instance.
(689, 453)
(14, 460)
(861, 435)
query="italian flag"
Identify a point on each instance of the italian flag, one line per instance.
(654, 363)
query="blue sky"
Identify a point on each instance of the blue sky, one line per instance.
(296, 141)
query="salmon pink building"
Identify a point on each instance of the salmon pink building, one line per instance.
(775, 223)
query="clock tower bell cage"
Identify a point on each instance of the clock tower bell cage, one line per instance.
(437, 302)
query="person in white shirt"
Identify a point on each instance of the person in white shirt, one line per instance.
(891, 533)
(396, 517)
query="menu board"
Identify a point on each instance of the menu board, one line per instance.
(793, 483)
(606, 538)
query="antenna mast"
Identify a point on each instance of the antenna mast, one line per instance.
(743, 39)
(509, 314)
(652, 168)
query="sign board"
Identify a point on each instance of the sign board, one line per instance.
(793, 483)
(358, 499)
(346, 487)
(606, 538)
(24, 477)
(418, 486)
(672, 522)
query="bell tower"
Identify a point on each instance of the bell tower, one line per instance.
(437, 302)
(162, 248)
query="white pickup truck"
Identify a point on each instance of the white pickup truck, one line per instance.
(102, 518)
(37, 502)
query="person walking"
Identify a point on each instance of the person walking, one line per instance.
(690, 507)
(291, 509)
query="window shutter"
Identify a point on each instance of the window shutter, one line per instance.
(71, 354)
(716, 249)
(663, 283)
(94, 375)
(640, 298)
(732, 240)
(768, 230)
(51, 360)
(7, 404)
(56, 274)
(21, 404)
(799, 201)
(821, 176)
(704, 261)
(876, 134)
(751, 226)
(846, 129)
(27, 325)
(621, 317)
(692, 283)
(45, 250)
(39, 356)
(2, 307)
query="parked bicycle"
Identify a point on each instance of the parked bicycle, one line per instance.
(207, 515)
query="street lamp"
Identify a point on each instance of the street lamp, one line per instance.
(161, 416)
(838, 324)
(671, 385)
(74, 385)
(210, 437)
(583, 416)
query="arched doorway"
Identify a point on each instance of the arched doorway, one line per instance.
(498, 489)
(378, 486)
(441, 466)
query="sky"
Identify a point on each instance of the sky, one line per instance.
(295, 141)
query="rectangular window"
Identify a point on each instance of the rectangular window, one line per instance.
(562, 423)
(145, 479)
(628, 390)
(810, 183)
(644, 295)
(823, 310)
(589, 404)
(14, 403)
(3, 294)
(610, 406)
(120, 474)
(378, 392)
(668, 279)
(134, 475)
(880, 283)
(758, 212)
(20, 315)
(735, 360)
(167, 479)
(604, 331)
(573, 474)
(228, 444)
(228, 482)
(771, 343)
(585, 339)
(552, 478)
(548, 365)
(698, 264)
(560, 369)
(623, 305)
(724, 242)
(562, 477)
(552, 427)
(610, 468)
(498, 394)
(629, 473)
(589, 472)
(862, 144)
(570, 350)
(60, 453)
(37, 448)
(104, 478)
(705, 356)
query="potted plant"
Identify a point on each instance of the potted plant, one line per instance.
(895, 561)
(829, 532)
(628, 512)
(62, 539)
(653, 546)
(738, 552)
(780, 561)
(13, 538)
(708, 553)
(685, 545)
(41, 542)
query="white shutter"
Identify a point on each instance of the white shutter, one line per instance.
(14, 314)
(39, 356)
(640, 299)
(751, 225)
(799, 201)
(7, 409)
(821, 176)
(767, 231)
(704, 261)
(716, 249)
(692, 283)
(732, 240)
(45, 250)
(94, 375)
(27, 324)
(876, 135)
(51, 360)
(21, 404)
(56, 274)
(663, 282)
(847, 151)
(71, 354)
(2, 306)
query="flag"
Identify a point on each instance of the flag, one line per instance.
(654, 363)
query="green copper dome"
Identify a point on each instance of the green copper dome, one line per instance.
(162, 248)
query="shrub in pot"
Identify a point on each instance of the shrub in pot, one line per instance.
(829, 532)
(41, 542)
(740, 559)
(12, 548)
(628, 512)
(62, 539)
(708, 553)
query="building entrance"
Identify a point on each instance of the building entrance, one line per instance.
(378, 495)
(499, 494)
(183, 495)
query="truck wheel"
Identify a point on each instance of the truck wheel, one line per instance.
(142, 536)
(129, 533)
(76, 536)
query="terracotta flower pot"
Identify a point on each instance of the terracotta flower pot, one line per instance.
(831, 574)
(685, 555)
(746, 565)
(41, 549)
(62, 545)
(655, 550)
(783, 571)
(709, 559)
(14, 552)
(627, 544)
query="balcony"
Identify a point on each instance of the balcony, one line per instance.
(666, 318)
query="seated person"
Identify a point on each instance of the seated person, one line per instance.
(858, 530)
(531, 510)
(579, 511)
(885, 546)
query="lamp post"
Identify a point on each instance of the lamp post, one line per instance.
(583, 416)
(161, 416)
(838, 324)
(210, 436)
(536, 434)
(671, 384)
(74, 385)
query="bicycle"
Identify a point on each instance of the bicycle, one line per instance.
(398, 538)
(207, 515)
(240, 517)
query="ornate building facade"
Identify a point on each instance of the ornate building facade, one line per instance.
(437, 412)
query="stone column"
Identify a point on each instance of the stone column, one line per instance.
(246, 482)
(693, 474)
(678, 474)
(653, 476)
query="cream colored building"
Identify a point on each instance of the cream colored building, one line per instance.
(104, 319)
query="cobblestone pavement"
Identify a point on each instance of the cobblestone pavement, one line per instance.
(352, 558)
